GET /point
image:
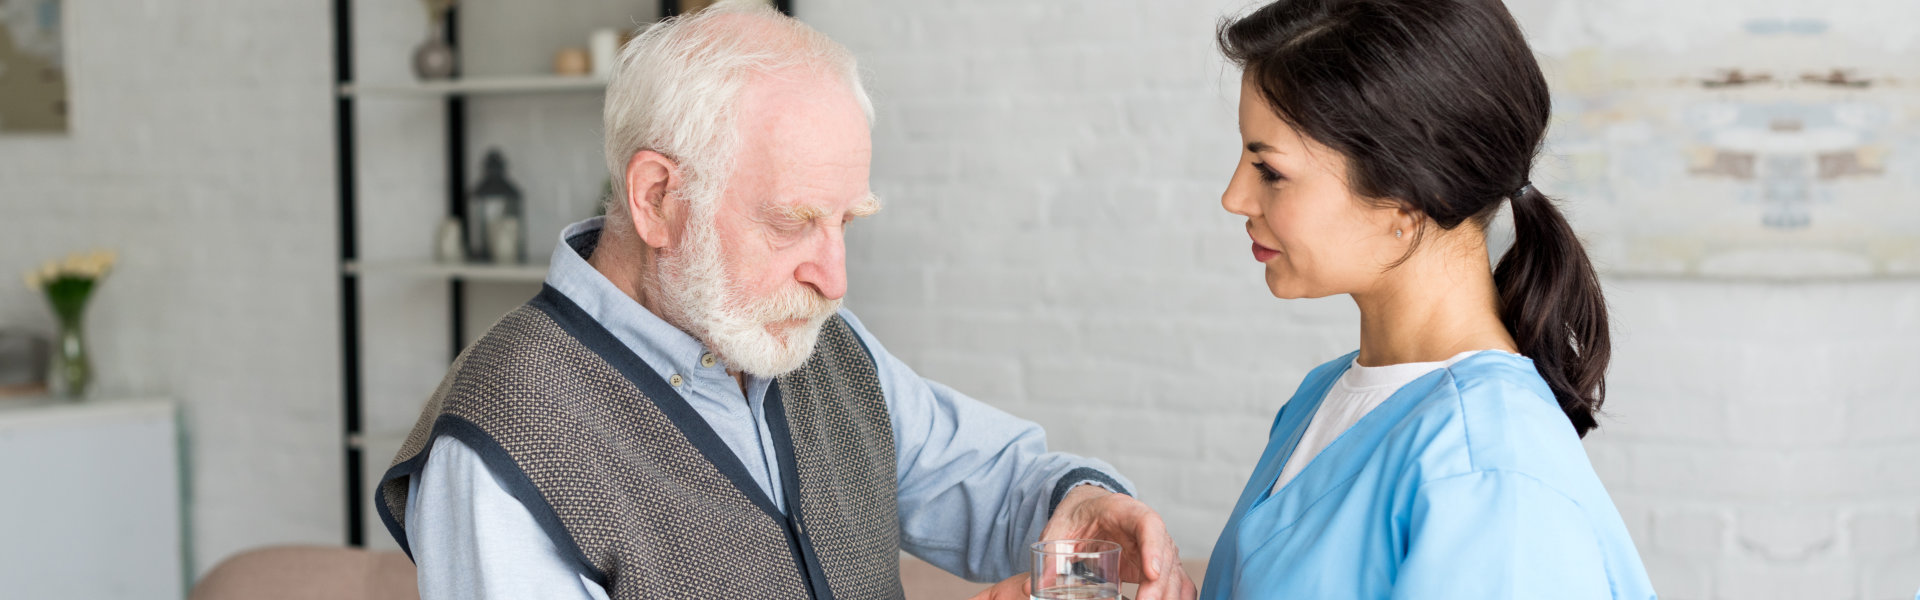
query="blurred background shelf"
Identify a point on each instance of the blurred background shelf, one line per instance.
(528, 84)
(523, 273)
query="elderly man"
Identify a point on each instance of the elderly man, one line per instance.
(685, 411)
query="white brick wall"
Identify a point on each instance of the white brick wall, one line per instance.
(1053, 244)
(201, 149)
(1763, 437)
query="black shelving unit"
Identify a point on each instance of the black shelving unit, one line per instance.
(345, 169)
(352, 430)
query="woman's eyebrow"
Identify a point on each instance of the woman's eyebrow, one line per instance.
(1262, 147)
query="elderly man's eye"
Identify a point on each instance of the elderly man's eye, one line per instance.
(791, 226)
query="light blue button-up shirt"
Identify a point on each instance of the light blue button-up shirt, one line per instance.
(976, 484)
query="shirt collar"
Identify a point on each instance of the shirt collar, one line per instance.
(661, 345)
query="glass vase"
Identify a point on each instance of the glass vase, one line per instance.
(434, 58)
(72, 368)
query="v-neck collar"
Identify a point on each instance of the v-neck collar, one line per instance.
(1337, 455)
(695, 428)
(1295, 426)
(1267, 507)
(664, 347)
(1305, 423)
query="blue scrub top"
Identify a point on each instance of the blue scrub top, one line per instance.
(1467, 483)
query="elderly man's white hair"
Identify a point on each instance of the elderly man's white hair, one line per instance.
(676, 85)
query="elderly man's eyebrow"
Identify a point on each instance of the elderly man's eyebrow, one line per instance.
(807, 212)
(866, 207)
(799, 213)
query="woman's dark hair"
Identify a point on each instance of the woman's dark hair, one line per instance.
(1438, 105)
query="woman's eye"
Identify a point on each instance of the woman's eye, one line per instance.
(1267, 174)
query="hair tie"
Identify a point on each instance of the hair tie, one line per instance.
(1524, 188)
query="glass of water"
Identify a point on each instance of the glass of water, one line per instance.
(1076, 570)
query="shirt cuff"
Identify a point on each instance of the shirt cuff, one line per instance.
(1082, 475)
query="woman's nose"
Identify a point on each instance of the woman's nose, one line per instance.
(1236, 201)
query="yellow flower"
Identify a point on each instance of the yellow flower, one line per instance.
(81, 265)
(89, 265)
(99, 263)
(105, 258)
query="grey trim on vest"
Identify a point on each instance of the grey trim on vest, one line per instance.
(516, 482)
(826, 443)
(789, 481)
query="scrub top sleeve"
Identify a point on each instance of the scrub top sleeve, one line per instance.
(1498, 534)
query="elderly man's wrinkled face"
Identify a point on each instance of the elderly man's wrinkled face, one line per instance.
(766, 266)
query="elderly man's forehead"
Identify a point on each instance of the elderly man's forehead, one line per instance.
(807, 122)
(804, 146)
(800, 93)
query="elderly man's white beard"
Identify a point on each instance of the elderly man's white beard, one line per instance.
(697, 295)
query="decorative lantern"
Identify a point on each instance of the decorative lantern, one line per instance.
(494, 215)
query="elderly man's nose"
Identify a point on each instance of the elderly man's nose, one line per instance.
(827, 272)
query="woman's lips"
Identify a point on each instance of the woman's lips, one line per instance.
(1263, 253)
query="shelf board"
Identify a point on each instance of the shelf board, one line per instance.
(378, 440)
(528, 273)
(525, 84)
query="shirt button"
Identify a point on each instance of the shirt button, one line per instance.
(675, 380)
(707, 360)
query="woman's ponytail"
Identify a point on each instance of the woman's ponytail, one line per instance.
(1550, 301)
(1440, 106)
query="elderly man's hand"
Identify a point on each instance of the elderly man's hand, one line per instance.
(1011, 588)
(1148, 555)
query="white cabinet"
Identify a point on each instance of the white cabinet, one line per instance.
(90, 502)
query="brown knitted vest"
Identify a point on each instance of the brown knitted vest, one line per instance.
(629, 480)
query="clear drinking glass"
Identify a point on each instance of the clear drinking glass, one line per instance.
(1076, 570)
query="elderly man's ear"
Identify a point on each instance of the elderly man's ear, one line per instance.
(652, 179)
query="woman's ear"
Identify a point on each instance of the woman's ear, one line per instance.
(1404, 223)
(652, 179)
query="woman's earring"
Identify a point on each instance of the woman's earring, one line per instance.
(1396, 234)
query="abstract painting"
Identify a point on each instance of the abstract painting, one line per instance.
(33, 79)
(1722, 138)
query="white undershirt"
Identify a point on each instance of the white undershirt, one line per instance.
(1351, 398)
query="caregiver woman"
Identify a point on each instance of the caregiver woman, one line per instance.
(1443, 459)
